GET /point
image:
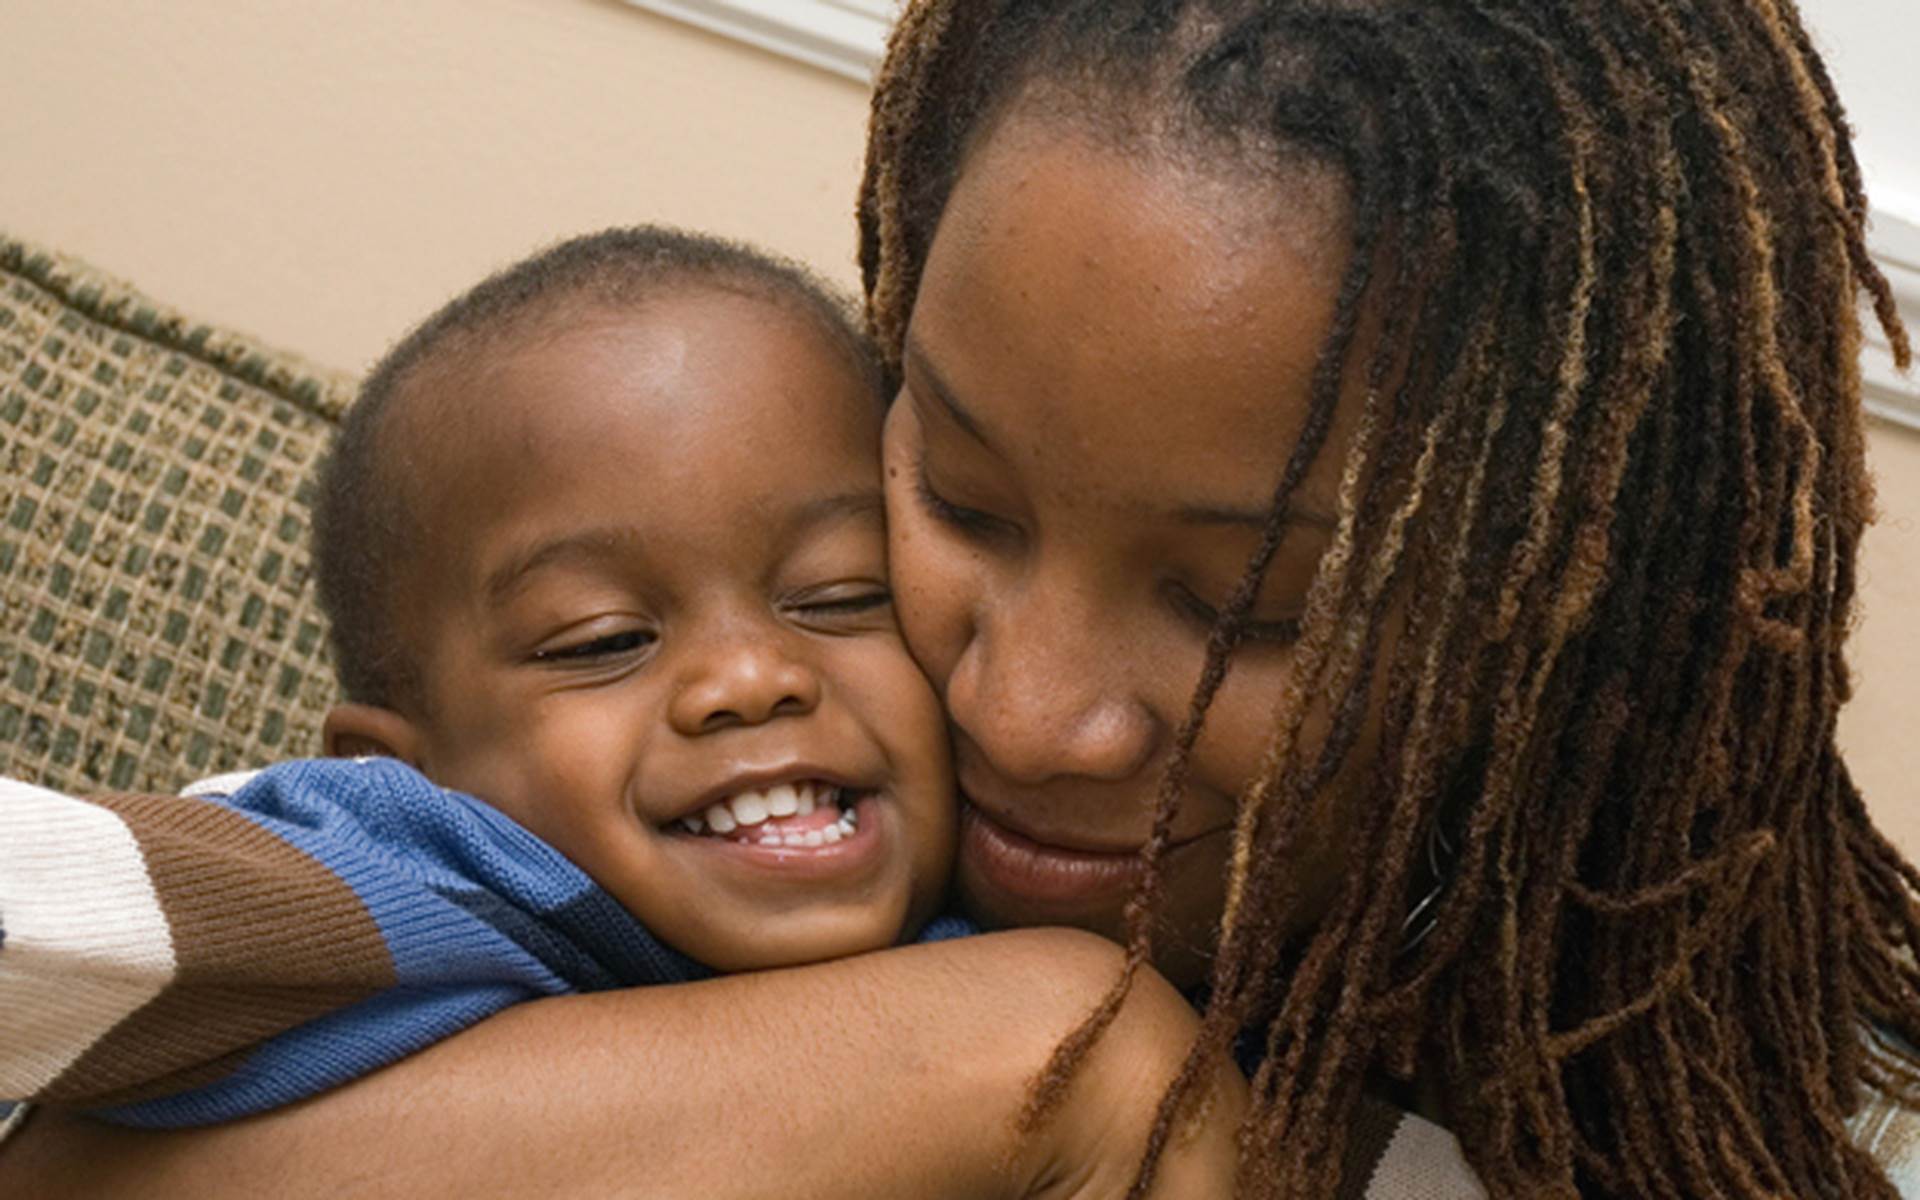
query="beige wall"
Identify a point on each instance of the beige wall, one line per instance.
(322, 172)
(1878, 728)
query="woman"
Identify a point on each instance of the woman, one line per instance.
(1465, 394)
(1554, 687)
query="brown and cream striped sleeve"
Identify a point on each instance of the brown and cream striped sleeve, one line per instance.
(148, 941)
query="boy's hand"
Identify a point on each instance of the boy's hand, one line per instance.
(1091, 1148)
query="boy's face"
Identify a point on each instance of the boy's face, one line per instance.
(652, 594)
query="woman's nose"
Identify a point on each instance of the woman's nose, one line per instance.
(1043, 690)
(747, 678)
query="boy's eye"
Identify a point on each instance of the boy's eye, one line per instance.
(968, 521)
(841, 602)
(855, 602)
(625, 641)
(1281, 632)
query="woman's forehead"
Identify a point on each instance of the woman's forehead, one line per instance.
(1066, 150)
(1076, 297)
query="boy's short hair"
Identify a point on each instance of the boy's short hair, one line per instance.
(363, 528)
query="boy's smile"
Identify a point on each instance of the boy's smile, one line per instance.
(651, 623)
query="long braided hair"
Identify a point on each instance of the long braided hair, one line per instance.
(1611, 434)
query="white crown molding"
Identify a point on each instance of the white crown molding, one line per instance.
(846, 37)
(1888, 394)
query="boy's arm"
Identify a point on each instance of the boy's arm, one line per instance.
(171, 961)
(898, 1073)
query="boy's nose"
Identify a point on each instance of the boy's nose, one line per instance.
(745, 683)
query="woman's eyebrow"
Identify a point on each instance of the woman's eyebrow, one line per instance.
(915, 356)
(1251, 518)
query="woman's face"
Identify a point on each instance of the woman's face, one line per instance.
(1108, 362)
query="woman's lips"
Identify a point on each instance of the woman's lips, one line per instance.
(1047, 875)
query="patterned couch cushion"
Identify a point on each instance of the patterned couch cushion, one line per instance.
(156, 618)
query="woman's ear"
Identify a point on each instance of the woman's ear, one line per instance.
(367, 730)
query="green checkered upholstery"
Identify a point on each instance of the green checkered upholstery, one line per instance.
(156, 616)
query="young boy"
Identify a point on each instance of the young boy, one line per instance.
(605, 548)
(602, 545)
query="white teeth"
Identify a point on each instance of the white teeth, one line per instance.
(781, 800)
(749, 808)
(795, 839)
(814, 837)
(830, 834)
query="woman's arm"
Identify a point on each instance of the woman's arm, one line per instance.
(897, 1073)
(238, 952)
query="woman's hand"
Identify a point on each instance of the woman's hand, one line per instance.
(900, 1074)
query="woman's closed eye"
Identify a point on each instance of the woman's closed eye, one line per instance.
(1278, 630)
(969, 522)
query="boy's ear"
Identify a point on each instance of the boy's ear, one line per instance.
(367, 730)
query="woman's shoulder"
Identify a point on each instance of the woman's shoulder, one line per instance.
(1391, 1154)
(1890, 1132)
